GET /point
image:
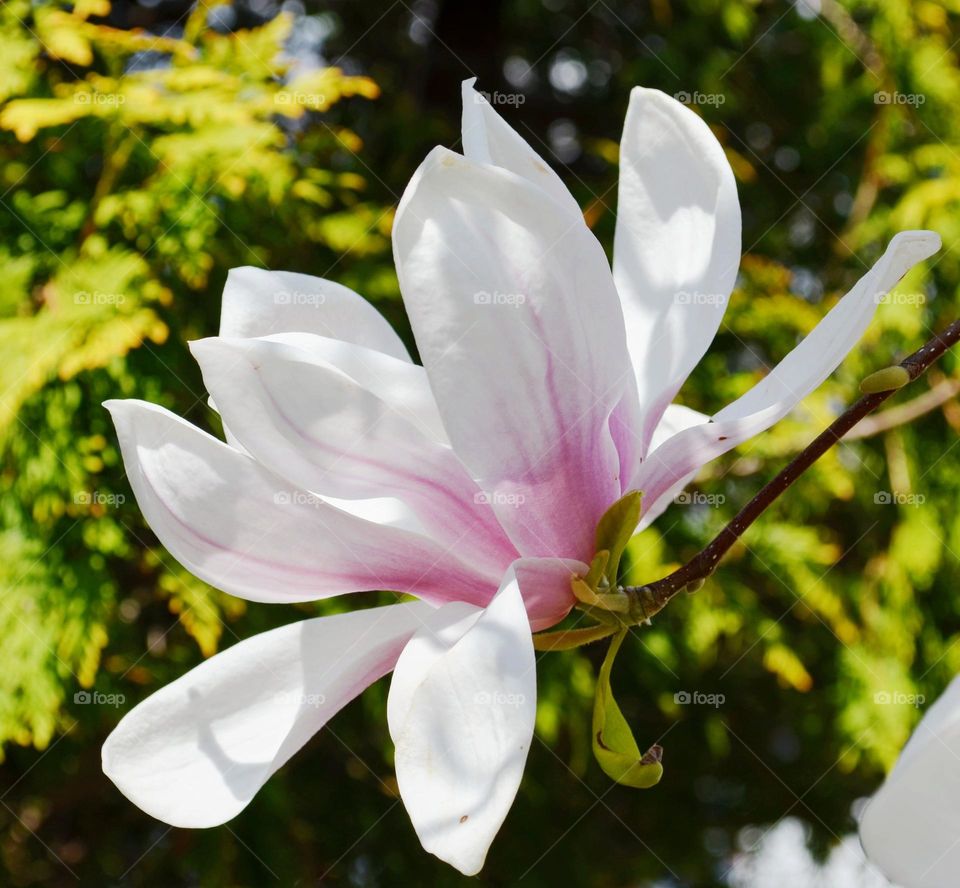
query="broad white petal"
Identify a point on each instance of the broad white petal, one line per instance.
(798, 374)
(488, 138)
(677, 243)
(246, 531)
(911, 827)
(196, 752)
(461, 713)
(520, 330)
(304, 420)
(257, 302)
(401, 384)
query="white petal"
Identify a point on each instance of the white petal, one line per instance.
(675, 419)
(461, 713)
(911, 827)
(244, 530)
(401, 384)
(677, 243)
(196, 752)
(657, 507)
(306, 421)
(488, 138)
(520, 330)
(257, 302)
(380, 510)
(798, 374)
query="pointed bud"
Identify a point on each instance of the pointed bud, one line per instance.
(886, 380)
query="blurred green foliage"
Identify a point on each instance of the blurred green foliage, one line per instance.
(145, 150)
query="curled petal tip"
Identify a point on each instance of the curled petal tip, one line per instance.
(921, 242)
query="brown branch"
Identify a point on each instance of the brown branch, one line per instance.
(648, 600)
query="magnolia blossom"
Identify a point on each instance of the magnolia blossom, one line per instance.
(911, 828)
(473, 483)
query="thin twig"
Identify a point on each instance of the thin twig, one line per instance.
(649, 599)
(936, 396)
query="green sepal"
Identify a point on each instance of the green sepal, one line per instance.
(598, 569)
(613, 744)
(614, 531)
(568, 639)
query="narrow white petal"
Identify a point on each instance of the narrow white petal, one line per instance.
(488, 138)
(246, 531)
(257, 302)
(911, 827)
(461, 712)
(677, 242)
(675, 419)
(521, 332)
(798, 374)
(196, 752)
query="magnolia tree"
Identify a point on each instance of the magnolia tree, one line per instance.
(494, 488)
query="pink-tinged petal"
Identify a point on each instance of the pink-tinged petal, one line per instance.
(798, 374)
(910, 827)
(488, 138)
(257, 302)
(308, 422)
(461, 713)
(246, 531)
(545, 587)
(520, 330)
(197, 751)
(677, 243)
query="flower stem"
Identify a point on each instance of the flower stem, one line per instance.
(653, 597)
